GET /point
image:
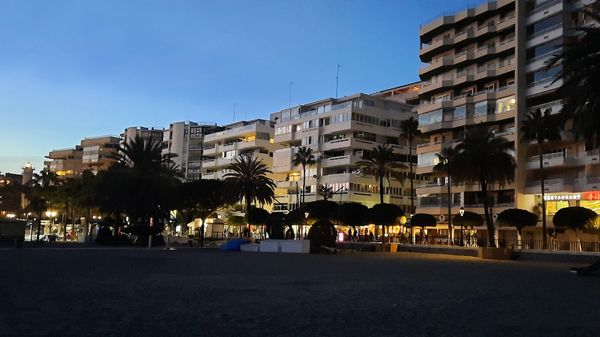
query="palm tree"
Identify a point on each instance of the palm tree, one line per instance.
(410, 128)
(580, 74)
(144, 154)
(540, 127)
(45, 178)
(304, 156)
(382, 163)
(443, 167)
(485, 159)
(253, 185)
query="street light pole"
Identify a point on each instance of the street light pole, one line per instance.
(462, 213)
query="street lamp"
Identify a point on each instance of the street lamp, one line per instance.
(461, 211)
(301, 232)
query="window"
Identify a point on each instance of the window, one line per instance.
(430, 117)
(505, 104)
(544, 25)
(460, 112)
(483, 108)
(427, 159)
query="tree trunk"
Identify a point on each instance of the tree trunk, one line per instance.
(410, 165)
(202, 233)
(39, 225)
(544, 228)
(303, 183)
(486, 210)
(381, 189)
(247, 200)
(449, 210)
(66, 218)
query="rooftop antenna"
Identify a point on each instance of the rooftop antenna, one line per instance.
(290, 94)
(234, 104)
(337, 80)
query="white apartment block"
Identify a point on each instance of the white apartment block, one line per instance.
(185, 141)
(341, 132)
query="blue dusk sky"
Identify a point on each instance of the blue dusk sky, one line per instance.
(76, 69)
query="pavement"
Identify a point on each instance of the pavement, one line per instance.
(204, 292)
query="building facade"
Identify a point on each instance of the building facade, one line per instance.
(244, 138)
(185, 140)
(94, 154)
(486, 64)
(341, 132)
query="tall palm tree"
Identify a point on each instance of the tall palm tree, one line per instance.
(410, 128)
(45, 178)
(580, 73)
(382, 164)
(443, 167)
(485, 159)
(304, 156)
(541, 127)
(250, 176)
(325, 191)
(144, 154)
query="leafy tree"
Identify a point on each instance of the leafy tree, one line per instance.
(249, 175)
(485, 159)
(410, 129)
(305, 157)
(382, 164)
(580, 74)
(468, 219)
(422, 220)
(444, 168)
(541, 127)
(575, 218)
(274, 224)
(384, 215)
(352, 214)
(202, 198)
(518, 218)
(322, 233)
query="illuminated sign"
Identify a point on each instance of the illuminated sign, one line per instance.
(591, 195)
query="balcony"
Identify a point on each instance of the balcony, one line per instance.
(550, 186)
(587, 184)
(554, 106)
(431, 87)
(427, 51)
(434, 106)
(544, 10)
(439, 64)
(552, 160)
(347, 160)
(542, 86)
(547, 34)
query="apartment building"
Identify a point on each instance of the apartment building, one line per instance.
(486, 64)
(341, 132)
(185, 140)
(94, 154)
(98, 153)
(139, 131)
(65, 162)
(244, 138)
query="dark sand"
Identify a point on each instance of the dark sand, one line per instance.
(127, 292)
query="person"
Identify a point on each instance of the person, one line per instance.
(371, 235)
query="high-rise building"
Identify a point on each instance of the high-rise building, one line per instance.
(65, 162)
(134, 131)
(486, 64)
(185, 141)
(340, 132)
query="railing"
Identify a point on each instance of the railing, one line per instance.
(545, 106)
(546, 55)
(544, 31)
(543, 6)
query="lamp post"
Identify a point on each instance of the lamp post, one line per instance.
(306, 214)
(461, 211)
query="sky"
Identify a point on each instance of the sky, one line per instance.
(86, 68)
